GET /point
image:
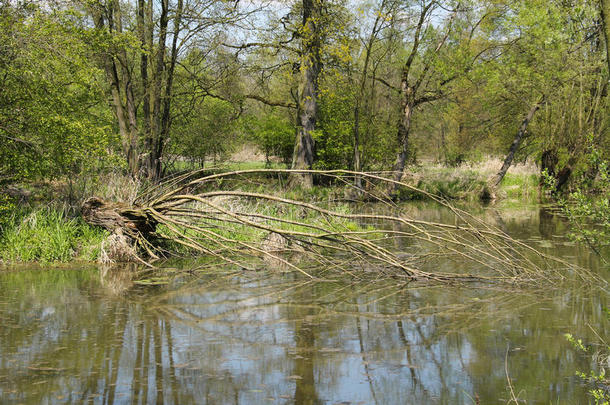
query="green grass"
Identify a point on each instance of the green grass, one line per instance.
(522, 187)
(467, 184)
(227, 165)
(48, 236)
(252, 165)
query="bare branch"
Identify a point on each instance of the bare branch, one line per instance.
(273, 103)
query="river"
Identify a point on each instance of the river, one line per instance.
(84, 334)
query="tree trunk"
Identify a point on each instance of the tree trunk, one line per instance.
(116, 217)
(404, 128)
(303, 156)
(360, 97)
(515, 145)
(442, 156)
(119, 78)
(153, 144)
(127, 82)
(357, 166)
(144, 32)
(548, 162)
(131, 229)
(166, 113)
(604, 6)
(407, 102)
(562, 177)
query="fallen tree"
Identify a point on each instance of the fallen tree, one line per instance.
(226, 218)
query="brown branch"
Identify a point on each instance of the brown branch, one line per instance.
(273, 103)
(279, 46)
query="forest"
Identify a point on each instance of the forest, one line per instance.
(148, 88)
(441, 143)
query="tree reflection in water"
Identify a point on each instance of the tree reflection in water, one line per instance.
(235, 337)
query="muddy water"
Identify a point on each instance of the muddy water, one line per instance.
(86, 335)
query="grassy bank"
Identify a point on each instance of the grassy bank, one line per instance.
(466, 182)
(47, 235)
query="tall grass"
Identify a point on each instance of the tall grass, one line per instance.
(48, 235)
(466, 182)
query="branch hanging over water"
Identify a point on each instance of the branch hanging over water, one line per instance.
(228, 219)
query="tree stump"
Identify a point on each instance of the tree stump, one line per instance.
(126, 224)
(132, 221)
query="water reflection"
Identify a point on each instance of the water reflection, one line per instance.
(83, 336)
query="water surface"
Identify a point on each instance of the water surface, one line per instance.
(86, 335)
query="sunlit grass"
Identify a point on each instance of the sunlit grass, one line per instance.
(48, 235)
(467, 182)
(520, 186)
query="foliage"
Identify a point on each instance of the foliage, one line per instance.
(588, 206)
(597, 377)
(334, 135)
(273, 133)
(481, 65)
(208, 133)
(52, 122)
(7, 206)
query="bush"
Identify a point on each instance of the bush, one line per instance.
(597, 377)
(274, 135)
(588, 207)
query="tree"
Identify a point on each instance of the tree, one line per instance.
(51, 123)
(277, 57)
(140, 46)
(604, 8)
(514, 147)
(438, 55)
(143, 141)
(311, 65)
(383, 14)
(561, 57)
(410, 82)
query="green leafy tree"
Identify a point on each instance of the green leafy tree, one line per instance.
(208, 132)
(52, 118)
(274, 135)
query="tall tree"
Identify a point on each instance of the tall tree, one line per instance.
(143, 139)
(604, 7)
(551, 49)
(51, 124)
(514, 147)
(382, 19)
(437, 56)
(142, 42)
(311, 66)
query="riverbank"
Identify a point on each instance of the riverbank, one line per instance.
(467, 181)
(35, 230)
